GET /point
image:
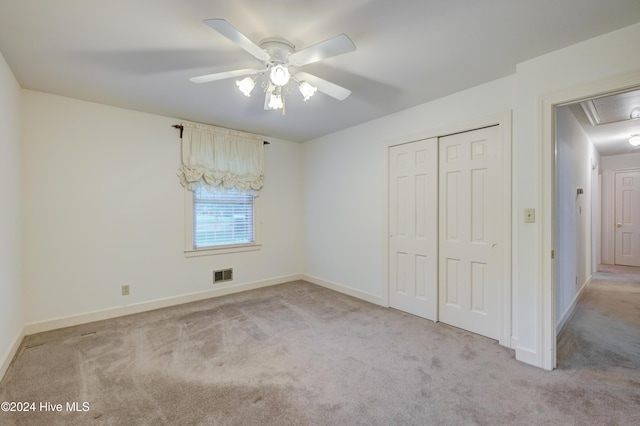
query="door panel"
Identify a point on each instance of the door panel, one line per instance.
(470, 218)
(627, 235)
(413, 227)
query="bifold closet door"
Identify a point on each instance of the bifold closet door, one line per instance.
(470, 230)
(413, 228)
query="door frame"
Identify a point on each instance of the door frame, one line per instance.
(546, 291)
(504, 121)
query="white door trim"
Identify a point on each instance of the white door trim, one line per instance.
(546, 317)
(508, 308)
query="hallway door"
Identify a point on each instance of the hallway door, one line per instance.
(627, 213)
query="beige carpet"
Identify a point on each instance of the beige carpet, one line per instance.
(299, 354)
(618, 273)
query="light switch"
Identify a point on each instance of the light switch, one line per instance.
(529, 215)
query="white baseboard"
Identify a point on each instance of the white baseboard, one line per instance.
(514, 342)
(6, 359)
(528, 356)
(53, 324)
(562, 321)
(368, 297)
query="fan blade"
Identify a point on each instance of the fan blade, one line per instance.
(222, 75)
(326, 87)
(325, 49)
(229, 31)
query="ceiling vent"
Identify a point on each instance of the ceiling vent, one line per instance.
(613, 108)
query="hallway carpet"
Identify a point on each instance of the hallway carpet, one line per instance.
(299, 354)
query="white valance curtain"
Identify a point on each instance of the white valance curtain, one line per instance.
(221, 158)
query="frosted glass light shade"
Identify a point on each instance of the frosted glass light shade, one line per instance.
(634, 140)
(246, 85)
(275, 101)
(307, 90)
(279, 75)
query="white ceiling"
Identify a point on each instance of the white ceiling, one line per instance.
(139, 54)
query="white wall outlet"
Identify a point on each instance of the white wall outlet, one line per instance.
(125, 290)
(529, 215)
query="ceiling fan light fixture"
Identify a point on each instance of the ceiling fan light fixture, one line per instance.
(279, 75)
(246, 85)
(634, 140)
(275, 100)
(276, 55)
(307, 90)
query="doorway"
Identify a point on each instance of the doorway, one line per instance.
(583, 214)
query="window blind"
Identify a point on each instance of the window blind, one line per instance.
(222, 218)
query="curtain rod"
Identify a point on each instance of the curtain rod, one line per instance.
(181, 127)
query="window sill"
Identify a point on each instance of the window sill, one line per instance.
(211, 251)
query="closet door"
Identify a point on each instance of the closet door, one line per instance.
(470, 229)
(413, 228)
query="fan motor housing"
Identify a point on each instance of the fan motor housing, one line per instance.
(278, 48)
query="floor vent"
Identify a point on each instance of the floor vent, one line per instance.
(222, 275)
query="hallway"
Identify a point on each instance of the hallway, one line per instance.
(604, 333)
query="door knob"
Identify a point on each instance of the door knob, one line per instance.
(619, 225)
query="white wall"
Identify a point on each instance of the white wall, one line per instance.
(604, 57)
(344, 177)
(11, 295)
(611, 164)
(574, 159)
(104, 207)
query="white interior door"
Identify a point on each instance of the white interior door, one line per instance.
(627, 235)
(413, 228)
(470, 229)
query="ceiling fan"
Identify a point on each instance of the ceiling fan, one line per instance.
(279, 58)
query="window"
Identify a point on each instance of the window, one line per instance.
(222, 219)
(220, 222)
(222, 171)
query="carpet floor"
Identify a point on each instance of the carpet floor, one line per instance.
(299, 354)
